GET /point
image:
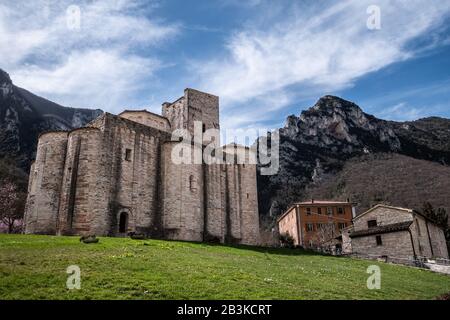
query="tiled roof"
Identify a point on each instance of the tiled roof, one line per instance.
(401, 226)
(322, 202)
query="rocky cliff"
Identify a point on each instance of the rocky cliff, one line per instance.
(336, 134)
(23, 116)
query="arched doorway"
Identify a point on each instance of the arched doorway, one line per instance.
(123, 222)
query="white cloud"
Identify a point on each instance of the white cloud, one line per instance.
(95, 78)
(327, 48)
(240, 3)
(403, 111)
(97, 65)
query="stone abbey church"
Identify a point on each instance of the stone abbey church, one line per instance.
(116, 176)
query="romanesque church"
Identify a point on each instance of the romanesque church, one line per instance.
(115, 176)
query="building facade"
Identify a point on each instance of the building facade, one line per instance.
(117, 175)
(399, 233)
(313, 223)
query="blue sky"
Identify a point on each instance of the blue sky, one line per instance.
(265, 59)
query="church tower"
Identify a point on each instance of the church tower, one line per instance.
(193, 106)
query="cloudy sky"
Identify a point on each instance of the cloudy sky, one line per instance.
(265, 59)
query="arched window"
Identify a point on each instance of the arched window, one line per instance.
(123, 222)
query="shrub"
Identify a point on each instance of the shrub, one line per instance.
(286, 240)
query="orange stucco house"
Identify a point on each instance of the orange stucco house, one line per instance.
(313, 222)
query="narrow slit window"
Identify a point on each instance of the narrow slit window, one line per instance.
(192, 186)
(379, 241)
(128, 154)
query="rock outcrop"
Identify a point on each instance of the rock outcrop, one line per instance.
(24, 115)
(317, 144)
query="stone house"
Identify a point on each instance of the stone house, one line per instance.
(117, 175)
(397, 233)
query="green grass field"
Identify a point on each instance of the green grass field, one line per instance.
(34, 267)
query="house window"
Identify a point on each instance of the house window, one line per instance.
(340, 210)
(309, 227)
(372, 223)
(341, 225)
(330, 211)
(128, 154)
(248, 195)
(379, 242)
(319, 210)
(308, 211)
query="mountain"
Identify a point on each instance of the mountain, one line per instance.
(334, 150)
(24, 115)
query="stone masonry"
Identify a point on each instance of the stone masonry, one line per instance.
(116, 176)
(398, 233)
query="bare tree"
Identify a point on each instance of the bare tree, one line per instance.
(324, 235)
(12, 204)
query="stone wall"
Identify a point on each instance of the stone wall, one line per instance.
(84, 195)
(383, 215)
(429, 239)
(147, 118)
(250, 215)
(45, 184)
(394, 244)
(202, 107)
(182, 197)
(215, 218)
(134, 175)
(288, 224)
(438, 241)
(193, 106)
(176, 113)
(420, 237)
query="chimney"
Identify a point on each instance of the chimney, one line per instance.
(348, 200)
(312, 200)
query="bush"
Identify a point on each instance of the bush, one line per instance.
(286, 240)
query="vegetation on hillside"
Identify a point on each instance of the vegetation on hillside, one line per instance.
(387, 178)
(13, 188)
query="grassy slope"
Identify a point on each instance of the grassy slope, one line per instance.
(33, 267)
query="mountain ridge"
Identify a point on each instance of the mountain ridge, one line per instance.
(322, 140)
(24, 115)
